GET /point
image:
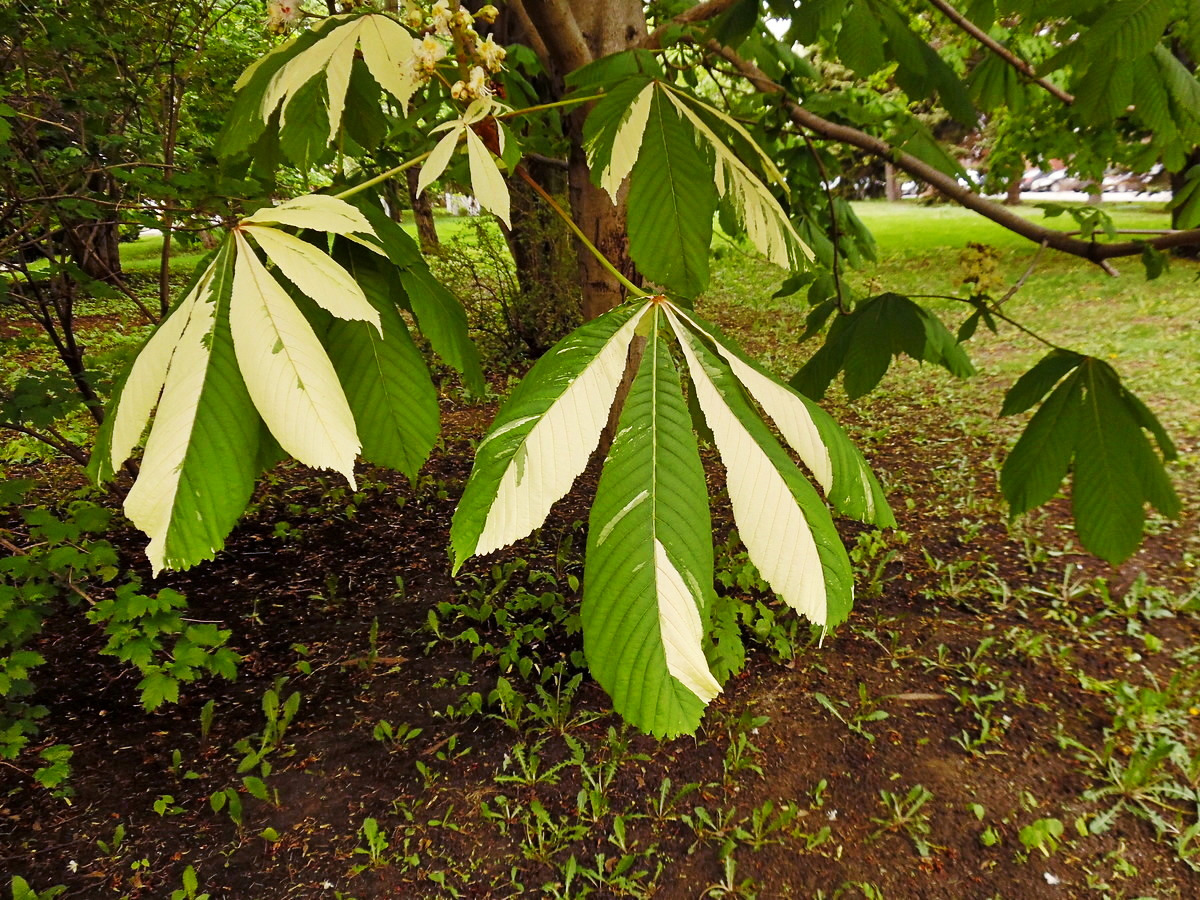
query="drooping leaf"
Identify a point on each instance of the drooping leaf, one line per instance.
(1040, 459)
(318, 212)
(612, 134)
(314, 273)
(438, 312)
(860, 42)
(287, 372)
(386, 47)
(758, 212)
(822, 445)
(486, 181)
(542, 437)
(198, 470)
(1091, 418)
(787, 530)
(863, 343)
(671, 204)
(649, 559)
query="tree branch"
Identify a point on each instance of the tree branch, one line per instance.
(701, 12)
(555, 24)
(947, 184)
(1000, 50)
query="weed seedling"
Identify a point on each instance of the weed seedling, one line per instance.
(907, 814)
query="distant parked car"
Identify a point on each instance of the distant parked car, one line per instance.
(1049, 181)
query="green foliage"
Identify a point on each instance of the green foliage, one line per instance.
(56, 563)
(1092, 419)
(861, 344)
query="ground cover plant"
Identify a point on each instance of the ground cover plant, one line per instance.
(1002, 713)
(648, 496)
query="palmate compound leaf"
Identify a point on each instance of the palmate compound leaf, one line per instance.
(201, 457)
(862, 344)
(649, 571)
(648, 584)
(660, 140)
(239, 376)
(486, 181)
(1092, 419)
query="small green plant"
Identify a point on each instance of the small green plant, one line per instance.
(1044, 835)
(190, 888)
(908, 814)
(395, 737)
(374, 845)
(867, 711)
(22, 891)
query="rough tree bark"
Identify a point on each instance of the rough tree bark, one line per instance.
(573, 33)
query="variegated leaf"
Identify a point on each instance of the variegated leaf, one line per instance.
(287, 372)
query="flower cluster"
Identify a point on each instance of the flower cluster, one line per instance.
(446, 24)
(282, 17)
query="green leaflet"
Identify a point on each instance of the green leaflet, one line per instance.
(671, 204)
(860, 42)
(651, 508)
(200, 462)
(386, 381)
(439, 315)
(542, 437)
(1041, 457)
(863, 343)
(787, 530)
(1090, 418)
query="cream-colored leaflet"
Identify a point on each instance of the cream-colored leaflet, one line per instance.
(435, 164)
(787, 410)
(152, 497)
(766, 224)
(287, 372)
(318, 276)
(768, 164)
(681, 629)
(627, 143)
(387, 48)
(770, 522)
(297, 72)
(150, 370)
(319, 212)
(557, 448)
(486, 180)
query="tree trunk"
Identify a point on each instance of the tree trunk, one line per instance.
(422, 211)
(543, 252)
(95, 248)
(574, 33)
(891, 186)
(1012, 196)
